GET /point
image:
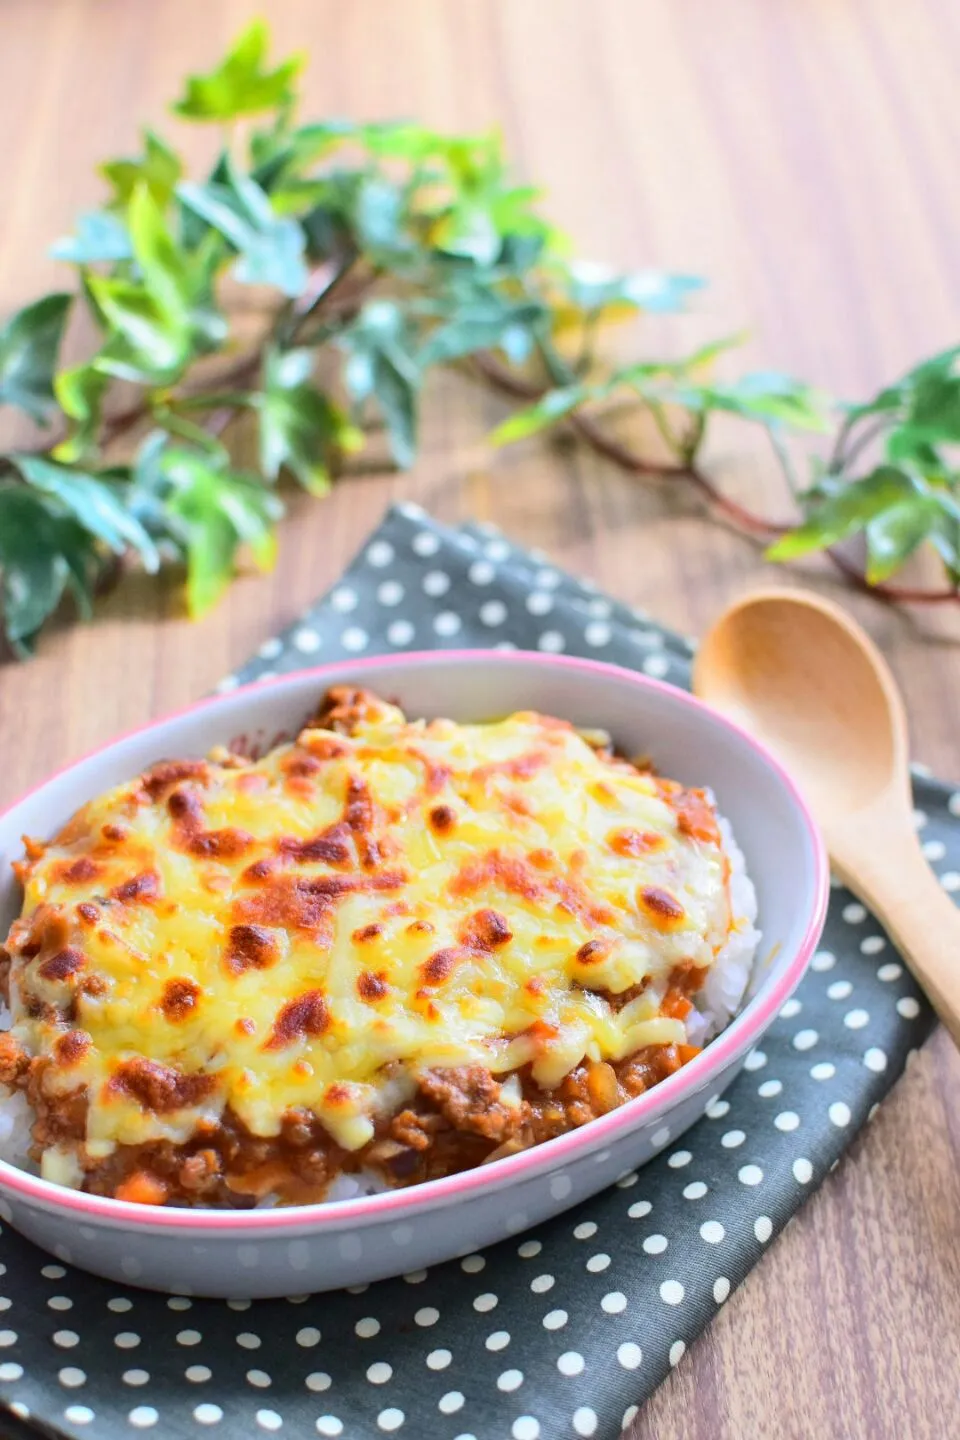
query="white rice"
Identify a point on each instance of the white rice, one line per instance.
(716, 1004)
(729, 975)
(16, 1118)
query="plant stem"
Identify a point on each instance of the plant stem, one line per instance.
(786, 464)
(841, 456)
(316, 294)
(867, 435)
(740, 517)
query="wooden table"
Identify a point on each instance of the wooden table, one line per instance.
(803, 156)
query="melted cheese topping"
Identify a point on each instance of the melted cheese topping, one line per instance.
(314, 928)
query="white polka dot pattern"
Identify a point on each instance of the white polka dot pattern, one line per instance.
(563, 1330)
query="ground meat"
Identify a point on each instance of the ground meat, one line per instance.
(200, 1174)
(61, 1120)
(160, 1088)
(343, 708)
(425, 1147)
(554, 1112)
(14, 1063)
(457, 1121)
(415, 1129)
(647, 1068)
(469, 1099)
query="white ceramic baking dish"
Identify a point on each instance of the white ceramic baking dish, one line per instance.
(275, 1252)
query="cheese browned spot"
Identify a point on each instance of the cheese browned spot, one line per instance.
(186, 807)
(443, 819)
(370, 986)
(332, 846)
(367, 932)
(180, 999)
(486, 930)
(71, 1047)
(307, 1016)
(592, 951)
(170, 772)
(250, 947)
(160, 1088)
(60, 966)
(224, 844)
(75, 872)
(664, 909)
(440, 965)
(503, 871)
(145, 886)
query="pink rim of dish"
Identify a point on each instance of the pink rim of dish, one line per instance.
(736, 1039)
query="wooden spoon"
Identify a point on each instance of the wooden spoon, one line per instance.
(798, 674)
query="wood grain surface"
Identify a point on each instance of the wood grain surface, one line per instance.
(802, 154)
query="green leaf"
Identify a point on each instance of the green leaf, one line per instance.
(92, 502)
(99, 236)
(591, 287)
(909, 445)
(219, 511)
(42, 553)
(377, 215)
(147, 492)
(396, 394)
(402, 140)
(178, 281)
(484, 323)
(278, 153)
(894, 534)
(165, 268)
(298, 198)
(647, 377)
(159, 169)
(240, 84)
(923, 381)
(520, 254)
(706, 354)
(767, 396)
(144, 343)
(381, 366)
(470, 231)
(217, 205)
(29, 344)
(299, 426)
(934, 408)
(79, 392)
(546, 412)
(846, 511)
(270, 247)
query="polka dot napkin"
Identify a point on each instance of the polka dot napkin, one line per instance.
(562, 1332)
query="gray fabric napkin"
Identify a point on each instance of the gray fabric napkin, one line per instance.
(559, 1333)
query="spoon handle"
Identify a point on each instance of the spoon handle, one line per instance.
(896, 882)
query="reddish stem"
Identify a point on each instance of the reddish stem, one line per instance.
(741, 518)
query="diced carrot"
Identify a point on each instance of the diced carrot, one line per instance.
(687, 1052)
(675, 1005)
(142, 1188)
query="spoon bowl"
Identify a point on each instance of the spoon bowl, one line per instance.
(846, 741)
(799, 674)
